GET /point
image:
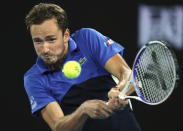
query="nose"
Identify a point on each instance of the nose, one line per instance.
(45, 48)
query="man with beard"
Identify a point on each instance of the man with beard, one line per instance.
(76, 104)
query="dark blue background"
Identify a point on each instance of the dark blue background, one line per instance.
(115, 18)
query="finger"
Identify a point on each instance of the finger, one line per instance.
(106, 107)
(110, 97)
(118, 104)
(123, 101)
(104, 113)
(112, 105)
(115, 102)
(100, 114)
(113, 93)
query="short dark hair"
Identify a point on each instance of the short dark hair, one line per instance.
(44, 11)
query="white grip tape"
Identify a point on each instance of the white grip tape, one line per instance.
(124, 91)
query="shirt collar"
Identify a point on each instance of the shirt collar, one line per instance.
(44, 68)
(72, 45)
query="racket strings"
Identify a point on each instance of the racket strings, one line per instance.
(155, 74)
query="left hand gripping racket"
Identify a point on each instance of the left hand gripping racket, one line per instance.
(154, 73)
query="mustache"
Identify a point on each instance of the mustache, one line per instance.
(46, 54)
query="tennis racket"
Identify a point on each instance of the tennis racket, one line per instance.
(154, 73)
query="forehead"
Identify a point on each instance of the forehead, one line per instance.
(48, 27)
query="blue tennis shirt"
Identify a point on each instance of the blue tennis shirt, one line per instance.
(92, 50)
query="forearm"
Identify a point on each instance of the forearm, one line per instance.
(72, 122)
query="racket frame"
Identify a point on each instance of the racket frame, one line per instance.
(132, 80)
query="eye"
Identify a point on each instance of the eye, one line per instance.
(37, 40)
(51, 39)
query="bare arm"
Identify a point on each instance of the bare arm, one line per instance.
(55, 118)
(117, 66)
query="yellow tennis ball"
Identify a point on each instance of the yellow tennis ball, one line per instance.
(71, 69)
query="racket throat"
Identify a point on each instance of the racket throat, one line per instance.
(132, 97)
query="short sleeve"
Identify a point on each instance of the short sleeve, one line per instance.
(101, 47)
(38, 96)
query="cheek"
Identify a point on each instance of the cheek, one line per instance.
(37, 49)
(58, 48)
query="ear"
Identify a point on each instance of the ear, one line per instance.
(66, 35)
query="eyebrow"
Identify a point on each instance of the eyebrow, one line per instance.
(37, 39)
(50, 36)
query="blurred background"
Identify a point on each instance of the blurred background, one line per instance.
(131, 23)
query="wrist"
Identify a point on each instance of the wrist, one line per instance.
(82, 111)
(117, 87)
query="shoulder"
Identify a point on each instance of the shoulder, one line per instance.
(32, 73)
(85, 32)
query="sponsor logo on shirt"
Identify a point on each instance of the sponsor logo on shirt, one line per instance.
(108, 42)
(33, 102)
(82, 60)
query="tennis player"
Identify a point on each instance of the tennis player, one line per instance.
(76, 104)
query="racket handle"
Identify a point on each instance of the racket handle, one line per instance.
(130, 104)
(128, 85)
